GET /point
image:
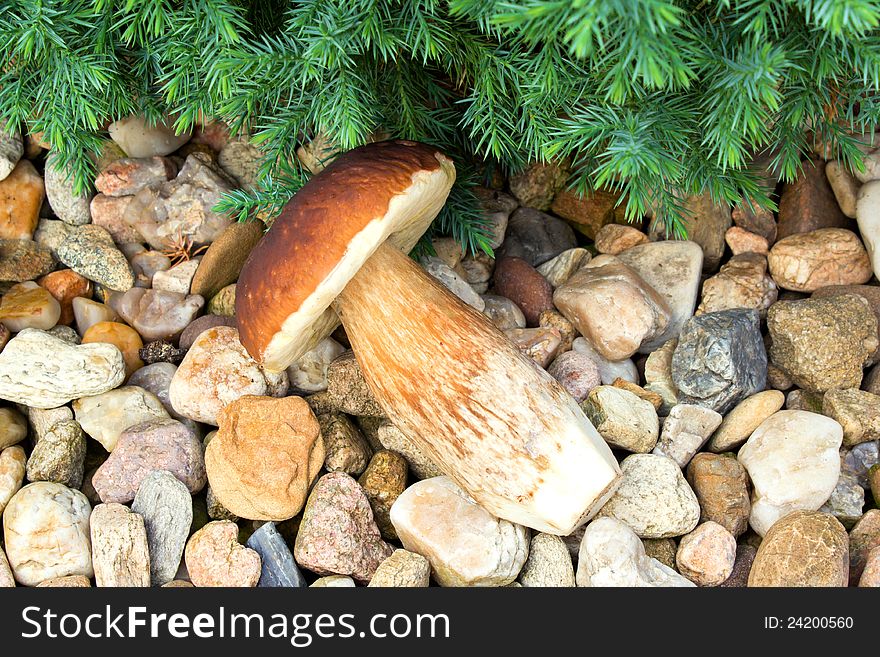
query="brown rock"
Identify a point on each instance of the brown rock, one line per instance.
(222, 262)
(517, 280)
(755, 220)
(804, 548)
(65, 285)
(128, 175)
(871, 293)
(21, 195)
(871, 575)
(707, 555)
(864, 537)
(201, 324)
(555, 320)
(805, 262)
(616, 238)
(808, 203)
(27, 305)
(722, 488)
(68, 582)
(539, 344)
(745, 556)
(214, 557)
(109, 213)
(383, 481)
(588, 213)
(24, 260)
(857, 411)
(652, 397)
(742, 282)
(266, 454)
(123, 337)
(706, 222)
(742, 241)
(538, 183)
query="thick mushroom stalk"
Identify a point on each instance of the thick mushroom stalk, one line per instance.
(495, 422)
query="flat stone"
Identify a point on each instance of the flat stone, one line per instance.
(805, 548)
(614, 239)
(12, 470)
(403, 569)
(673, 269)
(465, 545)
(104, 417)
(653, 498)
(163, 444)
(722, 488)
(559, 269)
(739, 423)
(46, 533)
(166, 507)
(805, 262)
(857, 411)
(685, 431)
(549, 563)
(59, 456)
(278, 566)
(119, 547)
(37, 369)
(613, 307)
(720, 359)
(706, 556)
(266, 454)
(337, 534)
(611, 554)
(27, 305)
(742, 282)
(214, 557)
(793, 463)
(24, 260)
(622, 419)
(822, 343)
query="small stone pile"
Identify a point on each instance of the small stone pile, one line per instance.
(734, 375)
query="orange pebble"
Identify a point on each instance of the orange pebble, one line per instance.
(64, 285)
(124, 337)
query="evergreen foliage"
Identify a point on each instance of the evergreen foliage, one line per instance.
(655, 98)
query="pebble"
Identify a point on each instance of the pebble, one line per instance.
(685, 431)
(89, 250)
(653, 498)
(348, 390)
(12, 470)
(808, 203)
(119, 547)
(166, 507)
(822, 343)
(673, 269)
(576, 372)
(535, 237)
(65, 285)
(549, 563)
(721, 485)
(59, 456)
(403, 569)
(720, 359)
(177, 279)
(104, 417)
(503, 312)
(739, 423)
(201, 324)
(46, 533)
(613, 307)
(871, 293)
(742, 241)
(346, 449)
(520, 282)
(383, 481)
(41, 420)
(27, 305)
(805, 548)
(40, 370)
(611, 554)
(742, 282)
(24, 260)
(868, 217)
(157, 314)
(50, 235)
(337, 534)
(857, 411)
(453, 282)
(214, 557)
(755, 220)
(333, 581)
(537, 184)
(87, 313)
(622, 419)
(109, 212)
(658, 375)
(550, 319)
(871, 576)
(68, 582)
(874, 483)
(863, 538)
(559, 269)
(392, 438)
(264, 457)
(793, 462)
(156, 378)
(539, 344)
(223, 303)
(163, 444)
(739, 578)
(846, 500)
(241, 160)
(844, 185)
(706, 223)
(21, 195)
(146, 264)
(123, 337)
(309, 373)
(804, 262)
(139, 138)
(216, 371)
(161, 351)
(7, 580)
(69, 206)
(614, 239)
(11, 150)
(278, 566)
(859, 460)
(128, 175)
(707, 555)
(589, 213)
(464, 543)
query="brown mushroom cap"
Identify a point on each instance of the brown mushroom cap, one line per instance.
(389, 190)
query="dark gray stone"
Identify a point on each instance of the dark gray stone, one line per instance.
(279, 568)
(720, 359)
(536, 237)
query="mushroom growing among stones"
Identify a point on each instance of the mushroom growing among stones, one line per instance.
(497, 424)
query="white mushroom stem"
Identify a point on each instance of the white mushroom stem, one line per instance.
(495, 422)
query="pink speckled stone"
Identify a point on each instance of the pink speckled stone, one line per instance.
(214, 557)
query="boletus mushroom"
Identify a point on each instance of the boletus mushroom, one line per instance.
(495, 422)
